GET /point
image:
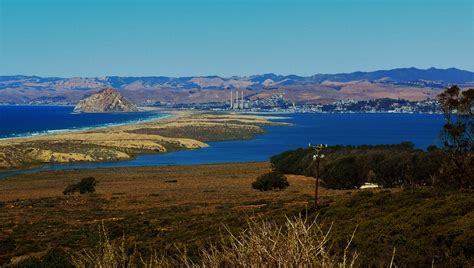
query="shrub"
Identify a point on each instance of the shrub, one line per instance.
(298, 242)
(86, 185)
(271, 181)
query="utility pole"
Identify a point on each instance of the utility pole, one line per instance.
(317, 157)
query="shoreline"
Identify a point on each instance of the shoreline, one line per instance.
(166, 114)
(178, 130)
(71, 130)
(94, 127)
(4, 175)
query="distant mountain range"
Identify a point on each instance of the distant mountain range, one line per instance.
(406, 83)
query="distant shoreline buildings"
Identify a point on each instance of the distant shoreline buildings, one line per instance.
(278, 104)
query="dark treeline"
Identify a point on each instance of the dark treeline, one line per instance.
(347, 167)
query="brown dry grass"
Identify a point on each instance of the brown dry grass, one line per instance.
(212, 184)
(36, 216)
(298, 242)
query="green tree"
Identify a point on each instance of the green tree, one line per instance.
(458, 135)
(345, 173)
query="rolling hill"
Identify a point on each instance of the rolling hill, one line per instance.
(406, 83)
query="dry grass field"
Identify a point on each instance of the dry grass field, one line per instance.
(165, 208)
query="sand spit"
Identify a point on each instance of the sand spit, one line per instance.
(184, 130)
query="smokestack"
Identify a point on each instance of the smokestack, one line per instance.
(242, 103)
(236, 106)
(231, 100)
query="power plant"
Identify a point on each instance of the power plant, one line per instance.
(236, 103)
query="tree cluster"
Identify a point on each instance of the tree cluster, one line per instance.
(458, 137)
(348, 167)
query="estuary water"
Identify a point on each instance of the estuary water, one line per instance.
(356, 129)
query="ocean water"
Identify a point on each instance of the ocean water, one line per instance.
(18, 121)
(421, 129)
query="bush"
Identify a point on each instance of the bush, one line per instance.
(299, 242)
(86, 185)
(271, 181)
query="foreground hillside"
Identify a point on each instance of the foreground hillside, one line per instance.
(425, 227)
(184, 208)
(166, 208)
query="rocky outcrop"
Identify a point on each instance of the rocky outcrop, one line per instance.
(106, 100)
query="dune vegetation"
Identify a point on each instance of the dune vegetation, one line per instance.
(185, 130)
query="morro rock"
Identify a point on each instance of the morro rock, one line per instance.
(106, 100)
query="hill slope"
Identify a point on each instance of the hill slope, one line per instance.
(106, 100)
(424, 226)
(407, 83)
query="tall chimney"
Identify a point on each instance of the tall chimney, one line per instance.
(236, 106)
(242, 103)
(231, 100)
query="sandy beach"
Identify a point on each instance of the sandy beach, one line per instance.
(183, 130)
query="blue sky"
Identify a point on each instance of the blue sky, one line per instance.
(234, 37)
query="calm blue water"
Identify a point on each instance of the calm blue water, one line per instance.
(17, 121)
(422, 129)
